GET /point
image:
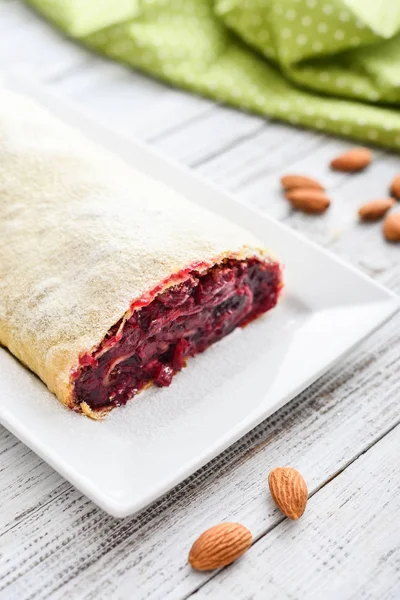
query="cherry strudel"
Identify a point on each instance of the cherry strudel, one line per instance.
(110, 280)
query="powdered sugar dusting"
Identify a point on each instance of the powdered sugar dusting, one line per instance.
(81, 236)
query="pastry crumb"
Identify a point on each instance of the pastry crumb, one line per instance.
(92, 414)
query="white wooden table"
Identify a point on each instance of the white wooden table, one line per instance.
(343, 433)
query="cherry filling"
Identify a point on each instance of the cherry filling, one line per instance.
(185, 319)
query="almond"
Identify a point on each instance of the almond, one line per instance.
(289, 491)
(308, 200)
(391, 227)
(290, 182)
(375, 209)
(353, 160)
(395, 187)
(219, 546)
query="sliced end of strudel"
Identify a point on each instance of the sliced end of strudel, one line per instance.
(173, 322)
(110, 280)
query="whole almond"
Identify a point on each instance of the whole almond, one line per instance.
(353, 160)
(308, 200)
(290, 182)
(391, 227)
(289, 491)
(375, 209)
(395, 187)
(219, 546)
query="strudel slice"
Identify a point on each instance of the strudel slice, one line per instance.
(110, 280)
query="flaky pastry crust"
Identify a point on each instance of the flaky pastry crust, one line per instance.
(82, 237)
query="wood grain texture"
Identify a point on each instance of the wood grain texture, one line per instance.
(346, 546)
(54, 543)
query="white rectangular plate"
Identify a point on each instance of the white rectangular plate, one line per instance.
(142, 450)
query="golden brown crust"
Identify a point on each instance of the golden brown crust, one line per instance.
(96, 415)
(82, 236)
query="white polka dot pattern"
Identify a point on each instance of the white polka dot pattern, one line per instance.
(337, 72)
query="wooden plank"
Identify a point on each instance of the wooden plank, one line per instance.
(261, 155)
(128, 101)
(20, 471)
(347, 545)
(174, 110)
(110, 93)
(30, 45)
(210, 136)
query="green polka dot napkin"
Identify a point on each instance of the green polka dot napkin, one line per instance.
(333, 65)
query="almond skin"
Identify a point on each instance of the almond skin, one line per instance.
(395, 187)
(308, 200)
(391, 227)
(219, 546)
(289, 491)
(353, 160)
(375, 209)
(290, 182)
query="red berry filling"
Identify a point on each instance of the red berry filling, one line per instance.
(183, 320)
